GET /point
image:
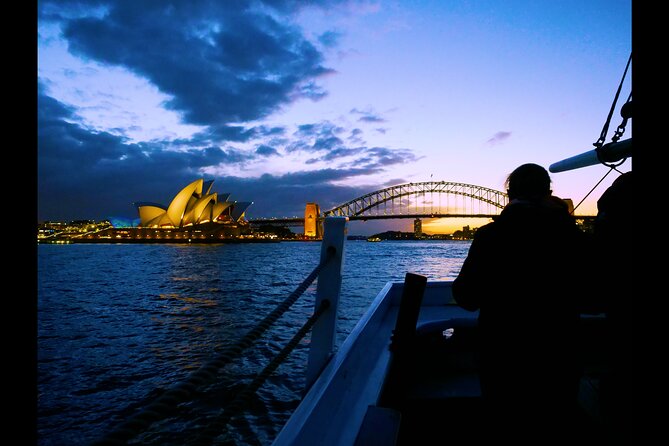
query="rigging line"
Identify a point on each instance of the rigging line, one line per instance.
(595, 186)
(605, 130)
(219, 422)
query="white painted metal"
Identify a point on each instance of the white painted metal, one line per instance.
(611, 152)
(329, 284)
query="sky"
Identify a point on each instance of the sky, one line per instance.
(284, 102)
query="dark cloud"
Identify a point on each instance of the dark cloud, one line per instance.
(321, 129)
(229, 133)
(225, 65)
(212, 156)
(294, 5)
(343, 152)
(316, 137)
(370, 118)
(264, 150)
(331, 143)
(355, 136)
(286, 195)
(371, 158)
(221, 62)
(498, 138)
(378, 157)
(89, 174)
(310, 90)
(84, 174)
(49, 110)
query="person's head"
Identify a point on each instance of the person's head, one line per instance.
(528, 182)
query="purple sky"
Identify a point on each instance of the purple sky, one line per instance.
(283, 102)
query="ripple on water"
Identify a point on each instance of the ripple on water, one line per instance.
(119, 324)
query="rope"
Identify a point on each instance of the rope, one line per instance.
(166, 404)
(625, 111)
(605, 130)
(595, 186)
(214, 429)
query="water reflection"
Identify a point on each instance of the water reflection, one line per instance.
(118, 323)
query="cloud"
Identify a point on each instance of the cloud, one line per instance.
(329, 39)
(224, 66)
(316, 137)
(264, 150)
(84, 174)
(370, 118)
(378, 157)
(88, 174)
(355, 137)
(220, 62)
(286, 195)
(498, 138)
(342, 152)
(215, 155)
(231, 133)
(367, 116)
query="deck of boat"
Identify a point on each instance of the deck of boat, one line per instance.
(442, 398)
(355, 399)
(436, 392)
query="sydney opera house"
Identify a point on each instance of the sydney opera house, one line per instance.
(194, 206)
(195, 214)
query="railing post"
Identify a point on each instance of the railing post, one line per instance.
(329, 284)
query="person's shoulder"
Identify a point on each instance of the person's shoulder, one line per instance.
(486, 231)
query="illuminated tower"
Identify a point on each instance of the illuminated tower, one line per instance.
(312, 227)
(418, 228)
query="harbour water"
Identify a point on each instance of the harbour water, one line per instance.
(119, 323)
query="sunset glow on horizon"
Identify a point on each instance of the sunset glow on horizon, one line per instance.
(284, 103)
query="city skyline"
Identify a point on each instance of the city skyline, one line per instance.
(285, 104)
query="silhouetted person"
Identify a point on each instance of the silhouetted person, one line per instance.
(614, 221)
(520, 273)
(615, 261)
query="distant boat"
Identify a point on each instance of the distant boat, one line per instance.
(374, 239)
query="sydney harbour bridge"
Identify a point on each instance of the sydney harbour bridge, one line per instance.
(429, 199)
(432, 199)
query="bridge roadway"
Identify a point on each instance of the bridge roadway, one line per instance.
(299, 221)
(399, 201)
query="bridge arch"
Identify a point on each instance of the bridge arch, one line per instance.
(493, 199)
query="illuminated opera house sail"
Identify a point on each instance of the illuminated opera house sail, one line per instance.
(194, 206)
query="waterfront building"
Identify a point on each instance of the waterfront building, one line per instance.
(195, 214)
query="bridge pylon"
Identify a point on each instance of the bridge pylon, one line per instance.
(313, 225)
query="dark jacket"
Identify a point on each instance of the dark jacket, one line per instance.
(523, 274)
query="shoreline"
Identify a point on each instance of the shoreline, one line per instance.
(156, 241)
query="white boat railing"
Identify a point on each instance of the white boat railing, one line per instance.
(328, 288)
